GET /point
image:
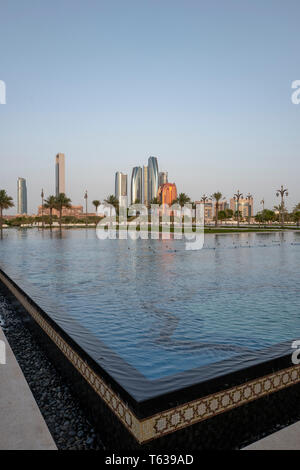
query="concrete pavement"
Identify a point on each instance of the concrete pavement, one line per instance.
(22, 426)
(286, 439)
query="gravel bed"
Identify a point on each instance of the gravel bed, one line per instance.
(66, 420)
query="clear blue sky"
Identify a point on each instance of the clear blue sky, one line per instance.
(203, 85)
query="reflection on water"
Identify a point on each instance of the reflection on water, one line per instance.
(163, 309)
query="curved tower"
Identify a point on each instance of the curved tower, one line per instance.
(136, 185)
(152, 178)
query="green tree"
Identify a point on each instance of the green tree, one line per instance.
(265, 216)
(62, 201)
(229, 213)
(217, 197)
(297, 207)
(6, 202)
(222, 216)
(237, 216)
(50, 204)
(296, 217)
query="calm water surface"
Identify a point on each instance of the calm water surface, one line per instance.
(162, 309)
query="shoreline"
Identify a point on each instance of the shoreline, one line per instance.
(207, 230)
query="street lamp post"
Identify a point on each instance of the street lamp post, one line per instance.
(86, 207)
(249, 197)
(282, 192)
(237, 198)
(42, 196)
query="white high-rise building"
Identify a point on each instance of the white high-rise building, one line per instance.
(121, 188)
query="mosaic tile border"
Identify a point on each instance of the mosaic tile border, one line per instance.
(175, 418)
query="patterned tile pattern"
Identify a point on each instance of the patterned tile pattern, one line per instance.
(173, 419)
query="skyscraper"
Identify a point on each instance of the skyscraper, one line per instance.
(152, 178)
(22, 196)
(60, 186)
(121, 188)
(162, 178)
(120, 184)
(136, 184)
(145, 185)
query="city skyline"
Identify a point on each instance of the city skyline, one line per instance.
(127, 195)
(214, 104)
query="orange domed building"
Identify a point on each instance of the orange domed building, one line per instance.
(167, 193)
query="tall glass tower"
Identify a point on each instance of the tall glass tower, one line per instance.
(162, 178)
(120, 184)
(152, 178)
(136, 185)
(121, 188)
(22, 196)
(60, 185)
(145, 185)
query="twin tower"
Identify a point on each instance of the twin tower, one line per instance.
(144, 183)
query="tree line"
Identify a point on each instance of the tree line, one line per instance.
(62, 201)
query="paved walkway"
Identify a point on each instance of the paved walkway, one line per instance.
(285, 439)
(22, 426)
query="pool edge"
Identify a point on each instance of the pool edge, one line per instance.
(164, 422)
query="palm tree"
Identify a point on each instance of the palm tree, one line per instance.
(96, 203)
(61, 201)
(155, 200)
(217, 196)
(113, 201)
(183, 199)
(238, 216)
(283, 193)
(282, 212)
(297, 207)
(50, 204)
(5, 203)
